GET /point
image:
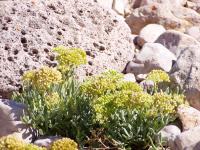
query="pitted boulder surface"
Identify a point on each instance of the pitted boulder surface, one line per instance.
(30, 28)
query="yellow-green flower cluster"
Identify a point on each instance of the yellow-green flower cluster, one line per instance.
(158, 76)
(106, 105)
(157, 104)
(166, 104)
(141, 100)
(69, 57)
(42, 78)
(111, 94)
(129, 86)
(12, 143)
(64, 144)
(52, 100)
(102, 84)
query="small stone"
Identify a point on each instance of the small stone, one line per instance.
(147, 84)
(46, 141)
(129, 77)
(141, 77)
(139, 42)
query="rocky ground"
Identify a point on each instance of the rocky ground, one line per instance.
(130, 36)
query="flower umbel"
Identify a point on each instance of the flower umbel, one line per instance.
(106, 105)
(102, 84)
(13, 143)
(158, 76)
(69, 57)
(42, 78)
(64, 144)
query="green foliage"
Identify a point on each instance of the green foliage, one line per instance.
(118, 112)
(106, 105)
(109, 93)
(129, 115)
(133, 129)
(61, 109)
(64, 144)
(13, 143)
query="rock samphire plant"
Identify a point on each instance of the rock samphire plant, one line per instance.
(104, 111)
(55, 104)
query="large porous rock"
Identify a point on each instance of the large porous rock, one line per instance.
(29, 29)
(151, 32)
(176, 41)
(189, 116)
(185, 73)
(171, 17)
(152, 56)
(10, 120)
(188, 140)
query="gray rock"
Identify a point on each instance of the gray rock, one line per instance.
(168, 134)
(194, 32)
(151, 32)
(10, 122)
(189, 116)
(134, 68)
(185, 73)
(29, 29)
(170, 16)
(154, 13)
(176, 41)
(155, 56)
(152, 56)
(188, 140)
